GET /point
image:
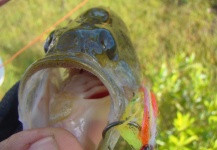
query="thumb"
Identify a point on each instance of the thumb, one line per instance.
(43, 139)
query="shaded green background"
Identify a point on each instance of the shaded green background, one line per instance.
(176, 41)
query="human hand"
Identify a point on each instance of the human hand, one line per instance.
(43, 139)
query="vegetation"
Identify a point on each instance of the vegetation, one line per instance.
(177, 45)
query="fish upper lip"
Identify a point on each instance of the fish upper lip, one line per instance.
(78, 61)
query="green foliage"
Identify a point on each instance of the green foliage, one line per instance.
(184, 91)
(177, 45)
(182, 72)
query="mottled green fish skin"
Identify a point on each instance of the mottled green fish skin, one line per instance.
(101, 34)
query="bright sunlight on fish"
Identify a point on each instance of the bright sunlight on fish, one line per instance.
(90, 84)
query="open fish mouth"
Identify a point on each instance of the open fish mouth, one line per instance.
(71, 92)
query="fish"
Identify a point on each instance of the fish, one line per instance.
(86, 80)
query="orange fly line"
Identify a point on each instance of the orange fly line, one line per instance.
(43, 33)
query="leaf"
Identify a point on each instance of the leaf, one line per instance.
(182, 121)
(212, 119)
(190, 140)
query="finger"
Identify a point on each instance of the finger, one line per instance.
(44, 138)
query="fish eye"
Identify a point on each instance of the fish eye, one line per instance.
(48, 41)
(97, 15)
(108, 44)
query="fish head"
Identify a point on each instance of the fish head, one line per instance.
(101, 35)
(87, 77)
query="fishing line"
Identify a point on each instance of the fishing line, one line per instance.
(113, 124)
(43, 33)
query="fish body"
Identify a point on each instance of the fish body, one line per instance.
(87, 78)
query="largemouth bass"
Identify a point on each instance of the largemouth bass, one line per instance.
(85, 82)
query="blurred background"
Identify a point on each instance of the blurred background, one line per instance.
(176, 41)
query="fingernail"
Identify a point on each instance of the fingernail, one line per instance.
(47, 143)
